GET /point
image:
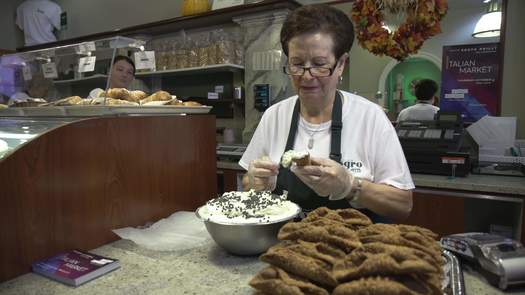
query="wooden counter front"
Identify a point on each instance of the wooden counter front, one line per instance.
(69, 187)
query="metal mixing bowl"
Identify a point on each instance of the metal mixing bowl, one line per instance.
(245, 239)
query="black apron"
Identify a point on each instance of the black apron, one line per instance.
(300, 193)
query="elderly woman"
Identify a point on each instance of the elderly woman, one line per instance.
(356, 158)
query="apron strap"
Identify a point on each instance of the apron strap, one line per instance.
(337, 126)
(293, 126)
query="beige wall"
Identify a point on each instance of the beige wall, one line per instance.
(513, 93)
(366, 68)
(10, 36)
(93, 16)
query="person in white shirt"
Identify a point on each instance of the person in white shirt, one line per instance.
(356, 157)
(423, 109)
(122, 74)
(38, 19)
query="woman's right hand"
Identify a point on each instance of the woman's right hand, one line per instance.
(261, 175)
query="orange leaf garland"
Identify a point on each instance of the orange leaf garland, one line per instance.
(422, 22)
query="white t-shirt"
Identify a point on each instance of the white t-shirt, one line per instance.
(37, 18)
(370, 148)
(419, 111)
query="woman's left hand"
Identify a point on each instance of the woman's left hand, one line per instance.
(325, 177)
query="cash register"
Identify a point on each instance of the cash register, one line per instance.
(440, 146)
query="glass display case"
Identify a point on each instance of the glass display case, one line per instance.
(14, 132)
(81, 80)
(58, 72)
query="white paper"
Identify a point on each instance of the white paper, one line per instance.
(213, 95)
(494, 134)
(219, 88)
(182, 230)
(86, 64)
(86, 47)
(218, 4)
(145, 60)
(26, 72)
(50, 70)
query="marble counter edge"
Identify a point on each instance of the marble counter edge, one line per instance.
(474, 183)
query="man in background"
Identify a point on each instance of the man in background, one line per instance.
(39, 19)
(423, 109)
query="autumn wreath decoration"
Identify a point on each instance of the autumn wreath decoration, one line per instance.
(421, 23)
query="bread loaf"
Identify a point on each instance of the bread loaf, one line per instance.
(137, 95)
(86, 101)
(192, 104)
(176, 102)
(113, 101)
(159, 95)
(68, 101)
(118, 93)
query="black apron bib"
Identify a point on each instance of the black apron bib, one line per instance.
(300, 193)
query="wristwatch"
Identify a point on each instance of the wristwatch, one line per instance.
(355, 193)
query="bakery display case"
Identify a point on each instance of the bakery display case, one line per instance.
(74, 80)
(68, 182)
(15, 132)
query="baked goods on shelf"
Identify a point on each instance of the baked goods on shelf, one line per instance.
(342, 252)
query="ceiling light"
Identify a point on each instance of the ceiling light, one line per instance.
(490, 23)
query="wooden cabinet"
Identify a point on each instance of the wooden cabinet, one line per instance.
(68, 188)
(229, 179)
(451, 211)
(442, 214)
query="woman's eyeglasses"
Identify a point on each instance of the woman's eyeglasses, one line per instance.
(314, 71)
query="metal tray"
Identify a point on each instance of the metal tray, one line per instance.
(454, 283)
(101, 110)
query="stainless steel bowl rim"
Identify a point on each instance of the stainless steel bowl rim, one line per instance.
(249, 223)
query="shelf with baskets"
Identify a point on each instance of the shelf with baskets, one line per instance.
(194, 70)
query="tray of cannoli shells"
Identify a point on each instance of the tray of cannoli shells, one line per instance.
(341, 252)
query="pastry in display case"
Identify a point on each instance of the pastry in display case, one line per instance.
(76, 80)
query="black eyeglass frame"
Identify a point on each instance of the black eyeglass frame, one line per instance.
(304, 69)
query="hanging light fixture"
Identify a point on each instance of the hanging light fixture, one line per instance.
(489, 24)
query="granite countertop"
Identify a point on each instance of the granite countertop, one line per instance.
(473, 182)
(203, 270)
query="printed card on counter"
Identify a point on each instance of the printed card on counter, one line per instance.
(86, 64)
(145, 60)
(50, 70)
(75, 267)
(26, 72)
(213, 95)
(86, 47)
(219, 88)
